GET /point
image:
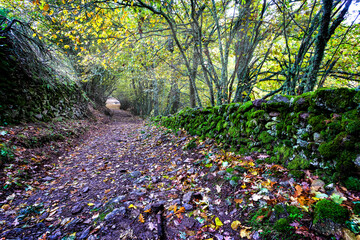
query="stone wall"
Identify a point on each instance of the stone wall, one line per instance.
(318, 130)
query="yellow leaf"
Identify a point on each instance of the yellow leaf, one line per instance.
(90, 204)
(243, 186)
(235, 225)
(66, 46)
(34, 35)
(218, 222)
(132, 206)
(245, 233)
(141, 218)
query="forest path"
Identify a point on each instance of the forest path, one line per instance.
(130, 180)
(102, 187)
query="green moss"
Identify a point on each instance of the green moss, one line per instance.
(297, 174)
(265, 137)
(352, 183)
(353, 127)
(331, 149)
(299, 163)
(282, 225)
(245, 107)
(326, 209)
(317, 123)
(334, 100)
(356, 208)
(294, 212)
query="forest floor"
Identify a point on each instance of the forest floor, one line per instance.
(127, 179)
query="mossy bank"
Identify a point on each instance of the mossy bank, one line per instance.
(318, 130)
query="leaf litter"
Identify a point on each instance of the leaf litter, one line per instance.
(131, 180)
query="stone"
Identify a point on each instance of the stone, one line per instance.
(85, 189)
(279, 98)
(187, 197)
(317, 137)
(357, 161)
(117, 199)
(317, 185)
(304, 116)
(329, 187)
(214, 168)
(48, 178)
(257, 102)
(84, 234)
(114, 213)
(77, 208)
(327, 227)
(71, 225)
(135, 174)
(302, 143)
(56, 235)
(44, 215)
(188, 207)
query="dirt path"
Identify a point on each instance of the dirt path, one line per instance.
(129, 180)
(102, 188)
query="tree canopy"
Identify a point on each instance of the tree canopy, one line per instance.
(160, 56)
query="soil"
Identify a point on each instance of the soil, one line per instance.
(127, 179)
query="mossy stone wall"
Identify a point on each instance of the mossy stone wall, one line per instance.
(318, 130)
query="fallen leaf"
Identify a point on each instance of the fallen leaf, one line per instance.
(107, 191)
(218, 222)
(298, 190)
(141, 218)
(235, 225)
(132, 206)
(245, 232)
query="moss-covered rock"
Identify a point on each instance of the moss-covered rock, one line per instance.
(326, 209)
(292, 130)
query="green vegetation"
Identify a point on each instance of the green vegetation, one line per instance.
(325, 135)
(326, 209)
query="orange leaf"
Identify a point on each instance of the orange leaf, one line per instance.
(46, 7)
(147, 211)
(298, 190)
(238, 201)
(107, 191)
(141, 218)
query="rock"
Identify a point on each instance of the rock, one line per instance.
(91, 237)
(329, 187)
(38, 116)
(48, 178)
(84, 234)
(221, 173)
(304, 116)
(274, 114)
(191, 171)
(357, 161)
(257, 102)
(77, 208)
(135, 174)
(55, 236)
(176, 201)
(117, 199)
(71, 225)
(44, 215)
(317, 137)
(114, 213)
(137, 193)
(85, 189)
(317, 185)
(214, 168)
(187, 197)
(188, 207)
(301, 143)
(327, 227)
(279, 98)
